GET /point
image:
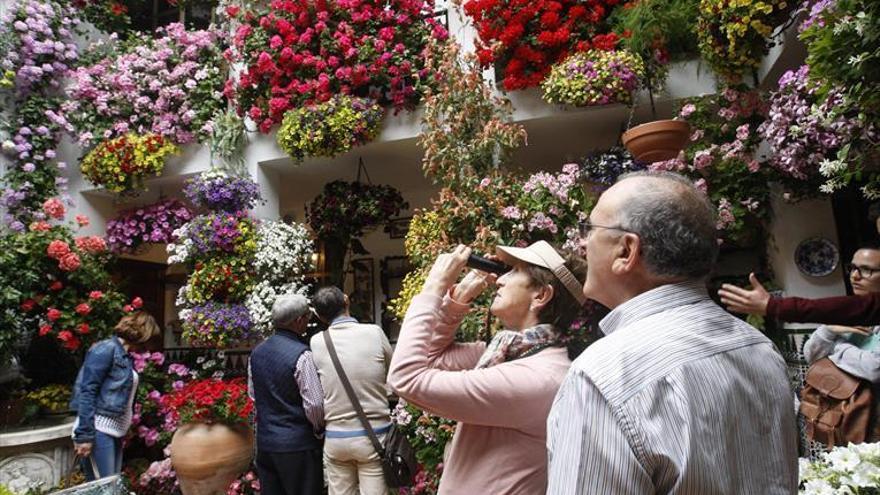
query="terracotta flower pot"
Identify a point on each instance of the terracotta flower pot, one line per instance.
(208, 457)
(657, 141)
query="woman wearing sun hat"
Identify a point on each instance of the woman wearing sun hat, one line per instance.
(500, 393)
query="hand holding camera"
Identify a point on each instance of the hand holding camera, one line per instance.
(448, 267)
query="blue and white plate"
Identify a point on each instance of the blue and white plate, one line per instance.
(816, 256)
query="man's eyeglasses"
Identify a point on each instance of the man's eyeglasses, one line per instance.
(585, 226)
(863, 271)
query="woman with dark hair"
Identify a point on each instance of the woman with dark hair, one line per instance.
(500, 393)
(104, 392)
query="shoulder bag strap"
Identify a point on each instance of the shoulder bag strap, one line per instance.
(351, 395)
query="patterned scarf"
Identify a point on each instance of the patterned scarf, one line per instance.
(508, 345)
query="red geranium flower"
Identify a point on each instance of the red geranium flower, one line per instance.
(118, 9)
(70, 341)
(44, 330)
(57, 249)
(28, 304)
(70, 262)
(53, 314)
(83, 309)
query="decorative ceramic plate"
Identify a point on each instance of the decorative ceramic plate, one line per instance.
(816, 256)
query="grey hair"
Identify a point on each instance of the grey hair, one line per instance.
(287, 309)
(675, 222)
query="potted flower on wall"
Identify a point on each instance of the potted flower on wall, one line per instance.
(843, 55)
(214, 442)
(153, 223)
(594, 77)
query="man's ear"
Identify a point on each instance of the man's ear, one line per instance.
(627, 253)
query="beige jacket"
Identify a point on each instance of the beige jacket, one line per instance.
(365, 354)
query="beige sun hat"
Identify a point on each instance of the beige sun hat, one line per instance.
(542, 254)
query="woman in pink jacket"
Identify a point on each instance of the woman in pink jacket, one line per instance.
(501, 393)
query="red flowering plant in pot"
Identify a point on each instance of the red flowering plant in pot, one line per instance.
(526, 37)
(214, 443)
(302, 52)
(55, 285)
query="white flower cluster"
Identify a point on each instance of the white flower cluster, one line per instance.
(179, 251)
(259, 302)
(283, 252)
(844, 470)
(283, 258)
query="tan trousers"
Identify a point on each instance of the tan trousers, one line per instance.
(353, 467)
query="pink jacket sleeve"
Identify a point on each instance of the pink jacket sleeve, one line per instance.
(497, 396)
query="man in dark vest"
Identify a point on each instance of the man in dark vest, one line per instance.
(290, 405)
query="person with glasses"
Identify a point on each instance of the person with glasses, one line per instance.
(284, 384)
(863, 308)
(679, 396)
(854, 349)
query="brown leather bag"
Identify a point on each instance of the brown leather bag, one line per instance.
(837, 406)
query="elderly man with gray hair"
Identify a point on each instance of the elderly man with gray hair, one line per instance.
(679, 397)
(287, 393)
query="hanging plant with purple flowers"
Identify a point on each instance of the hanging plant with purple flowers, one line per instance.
(221, 234)
(218, 191)
(216, 324)
(152, 223)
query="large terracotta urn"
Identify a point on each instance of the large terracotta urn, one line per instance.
(657, 141)
(208, 457)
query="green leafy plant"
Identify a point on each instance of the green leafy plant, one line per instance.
(228, 139)
(51, 398)
(659, 31)
(843, 47)
(466, 130)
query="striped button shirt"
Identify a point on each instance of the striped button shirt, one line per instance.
(679, 397)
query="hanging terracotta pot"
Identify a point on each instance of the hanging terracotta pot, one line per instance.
(657, 141)
(208, 457)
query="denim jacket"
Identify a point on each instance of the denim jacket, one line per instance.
(103, 386)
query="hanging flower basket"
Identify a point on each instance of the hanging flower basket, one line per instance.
(121, 164)
(594, 77)
(657, 141)
(329, 128)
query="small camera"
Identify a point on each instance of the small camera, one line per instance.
(487, 265)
